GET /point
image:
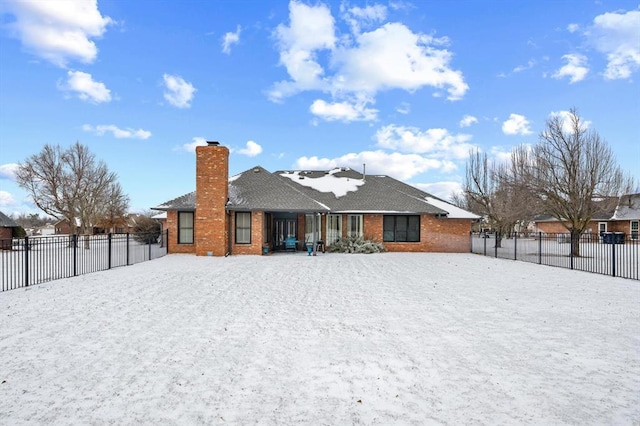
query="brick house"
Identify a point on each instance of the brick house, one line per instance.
(7, 225)
(623, 219)
(257, 209)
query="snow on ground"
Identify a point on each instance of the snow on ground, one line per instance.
(394, 338)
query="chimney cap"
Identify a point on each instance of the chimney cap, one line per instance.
(213, 143)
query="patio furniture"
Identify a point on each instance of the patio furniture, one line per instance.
(291, 244)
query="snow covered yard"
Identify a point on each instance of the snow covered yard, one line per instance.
(335, 339)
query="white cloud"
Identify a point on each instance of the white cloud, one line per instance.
(516, 125)
(359, 64)
(197, 141)
(359, 17)
(442, 190)
(393, 57)
(395, 164)
(6, 199)
(8, 171)
(438, 143)
(342, 111)
(572, 28)
(500, 154)
(567, 126)
(468, 120)
(58, 31)
(311, 29)
(617, 35)
(530, 64)
(229, 39)
(178, 92)
(251, 149)
(404, 108)
(85, 88)
(117, 133)
(575, 68)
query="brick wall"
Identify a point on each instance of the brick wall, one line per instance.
(559, 228)
(257, 237)
(172, 245)
(212, 193)
(436, 234)
(5, 238)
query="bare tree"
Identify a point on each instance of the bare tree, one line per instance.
(71, 184)
(575, 175)
(495, 191)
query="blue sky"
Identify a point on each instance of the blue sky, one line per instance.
(407, 88)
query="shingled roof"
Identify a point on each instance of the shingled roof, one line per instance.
(340, 190)
(7, 222)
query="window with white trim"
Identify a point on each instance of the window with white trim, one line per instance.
(354, 225)
(243, 228)
(185, 227)
(308, 227)
(334, 228)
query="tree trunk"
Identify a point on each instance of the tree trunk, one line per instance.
(498, 239)
(575, 243)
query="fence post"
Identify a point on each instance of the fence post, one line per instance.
(539, 247)
(149, 242)
(26, 261)
(515, 246)
(495, 243)
(127, 249)
(74, 241)
(571, 249)
(484, 237)
(109, 251)
(613, 256)
(470, 242)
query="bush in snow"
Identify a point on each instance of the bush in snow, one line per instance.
(356, 245)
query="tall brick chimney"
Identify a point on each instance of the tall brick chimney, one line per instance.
(212, 193)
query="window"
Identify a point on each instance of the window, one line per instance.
(243, 228)
(334, 228)
(354, 225)
(185, 227)
(401, 229)
(308, 227)
(634, 229)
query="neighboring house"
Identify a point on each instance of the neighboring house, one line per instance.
(65, 228)
(48, 229)
(624, 218)
(7, 226)
(257, 209)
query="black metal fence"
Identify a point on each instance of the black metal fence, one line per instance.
(614, 254)
(34, 260)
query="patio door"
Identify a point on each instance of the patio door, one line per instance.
(283, 229)
(334, 228)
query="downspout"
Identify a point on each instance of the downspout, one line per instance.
(228, 233)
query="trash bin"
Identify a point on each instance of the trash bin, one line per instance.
(618, 237)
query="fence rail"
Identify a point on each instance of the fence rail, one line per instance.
(34, 260)
(614, 254)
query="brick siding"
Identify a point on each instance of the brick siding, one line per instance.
(212, 192)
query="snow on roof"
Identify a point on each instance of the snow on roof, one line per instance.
(327, 183)
(454, 212)
(162, 215)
